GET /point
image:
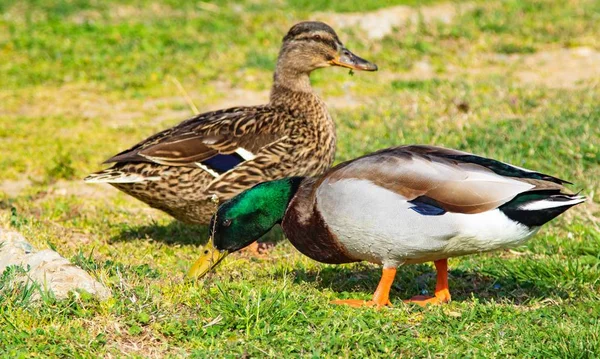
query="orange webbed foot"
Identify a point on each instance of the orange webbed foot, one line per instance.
(381, 297)
(425, 300)
(258, 250)
(442, 293)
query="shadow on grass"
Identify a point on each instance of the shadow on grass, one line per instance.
(173, 233)
(420, 279)
(180, 233)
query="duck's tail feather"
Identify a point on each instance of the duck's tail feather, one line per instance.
(116, 175)
(538, 207)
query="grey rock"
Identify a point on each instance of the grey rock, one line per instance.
(46, 267)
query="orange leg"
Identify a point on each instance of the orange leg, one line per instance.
(381, 296)
(259, 250)
(442, 292)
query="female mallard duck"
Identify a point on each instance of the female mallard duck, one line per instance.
(401, 205)
(221, 153)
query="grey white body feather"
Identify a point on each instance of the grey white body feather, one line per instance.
(414, 204)
(353, 208)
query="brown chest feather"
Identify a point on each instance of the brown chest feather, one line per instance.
(311, 236)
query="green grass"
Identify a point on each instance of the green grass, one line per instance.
(82, 80)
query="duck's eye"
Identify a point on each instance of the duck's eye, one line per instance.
(227, 223)
(317, 37)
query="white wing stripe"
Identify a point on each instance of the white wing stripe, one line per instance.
(246, 155)
(208, 170)
(544, 204)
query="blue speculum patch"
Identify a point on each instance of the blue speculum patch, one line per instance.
(223, 162)
(426, 207)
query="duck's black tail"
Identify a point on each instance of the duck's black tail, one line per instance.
(535, 208)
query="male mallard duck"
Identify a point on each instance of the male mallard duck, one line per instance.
(401, 205)
(221, 153)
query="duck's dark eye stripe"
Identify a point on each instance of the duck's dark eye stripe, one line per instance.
(329, 42)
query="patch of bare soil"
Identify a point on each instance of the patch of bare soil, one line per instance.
(70, 101)
(420, 71)
(62, 188)
(78, 188)
(12, 188)
(87, 103)
(124, 12)
(347, 101)
(377, 24)
(236, 97)
(562, 68)
(243, 97)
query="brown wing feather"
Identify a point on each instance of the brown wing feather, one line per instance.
(438, 173)
(207, 135)
(179, 151)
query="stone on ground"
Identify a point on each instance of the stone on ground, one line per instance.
(48, 269)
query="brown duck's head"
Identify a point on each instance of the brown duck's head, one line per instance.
(311, 45)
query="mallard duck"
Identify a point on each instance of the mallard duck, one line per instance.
(216, 155)
(401, 205)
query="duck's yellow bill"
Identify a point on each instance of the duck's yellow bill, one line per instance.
(208, 260)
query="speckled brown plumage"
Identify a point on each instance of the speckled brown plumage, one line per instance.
(180, 170)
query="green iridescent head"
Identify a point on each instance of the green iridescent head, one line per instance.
(244, 219)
